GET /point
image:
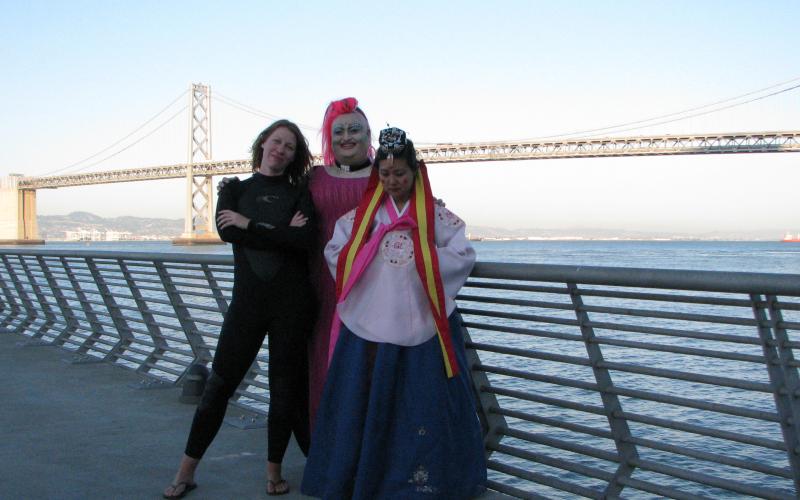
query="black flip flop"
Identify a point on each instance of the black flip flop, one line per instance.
(187, 487)
(275, 485)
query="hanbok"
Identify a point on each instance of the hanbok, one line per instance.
(397, 417)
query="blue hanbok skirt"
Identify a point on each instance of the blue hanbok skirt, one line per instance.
(392, 425)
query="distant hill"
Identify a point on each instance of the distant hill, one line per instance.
(54, 227)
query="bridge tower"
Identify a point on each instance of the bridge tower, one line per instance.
(199, 227)
(18, 208)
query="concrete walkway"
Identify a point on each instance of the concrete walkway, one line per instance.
(86, 431)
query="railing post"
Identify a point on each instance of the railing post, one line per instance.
(215, 289)
(123, 330)
(149, 320)
(10, 306)
(24, 298)
(783, 375)
(494, 425)
(613, 408)
(46, 306)
(193, 337)
(70, 322)
(95, 327)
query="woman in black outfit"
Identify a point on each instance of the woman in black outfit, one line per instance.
(269, 220)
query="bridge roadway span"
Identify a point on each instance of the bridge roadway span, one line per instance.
(660, 145)
(84, 431)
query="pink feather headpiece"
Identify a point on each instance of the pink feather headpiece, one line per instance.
(336, 109)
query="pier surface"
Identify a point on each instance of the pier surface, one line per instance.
(81, 431)
(84, 431)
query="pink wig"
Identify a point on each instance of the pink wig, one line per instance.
(336, 109)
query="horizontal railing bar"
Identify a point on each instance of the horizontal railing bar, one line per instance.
(197, 281)
(205, 295)
(669, 332)
(523, 317)
(142, 284)
(693, 403)
(621, 391)
(133, 348)
(98, 322)
(253, 395)
(665, 297)
(552, 461)
(700, 430)
(167, 357)
(664, 491)
(127, 357)
(545, 479)
(147, 334)
(550, 379)
(204, 321)
(473, 283)
(717, 482)
(538, 398)
(516, 302)
(650, 313)
(144, 257)
(199, 307)
(98, 347)
(528, 353)
(552, 422)
(708, 353)
(535, 332)
(165, 369)
(711, 457)
(561, 444)
(712, 281)
(511, 490)
(159, 324)
(685, 376)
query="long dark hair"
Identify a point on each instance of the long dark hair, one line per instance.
(302, 156)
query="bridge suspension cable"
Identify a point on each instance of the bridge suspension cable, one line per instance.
(137, 129)
(254, 111)
(594, 132)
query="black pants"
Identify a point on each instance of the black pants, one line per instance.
(283, 309)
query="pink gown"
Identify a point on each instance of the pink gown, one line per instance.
(333, 197)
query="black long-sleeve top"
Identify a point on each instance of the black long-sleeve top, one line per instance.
(268, 242)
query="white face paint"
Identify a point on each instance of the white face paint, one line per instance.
(350, 139)
(279, 150)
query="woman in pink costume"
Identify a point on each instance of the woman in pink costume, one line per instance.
(336, 188)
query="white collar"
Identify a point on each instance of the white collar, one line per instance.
(398, 210)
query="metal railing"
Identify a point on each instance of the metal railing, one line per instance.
(592, 382)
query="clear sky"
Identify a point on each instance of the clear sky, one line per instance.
(79, 76)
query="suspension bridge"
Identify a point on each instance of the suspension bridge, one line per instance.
(18, 193)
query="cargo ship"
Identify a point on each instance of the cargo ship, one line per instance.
(791, 238)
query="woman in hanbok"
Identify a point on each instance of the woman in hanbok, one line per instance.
(397, 417)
